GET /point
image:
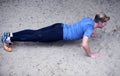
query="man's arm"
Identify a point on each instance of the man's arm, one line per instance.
(86, 47)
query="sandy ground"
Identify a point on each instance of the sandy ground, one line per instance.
(59, 58)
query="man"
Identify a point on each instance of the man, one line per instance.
(60, 31)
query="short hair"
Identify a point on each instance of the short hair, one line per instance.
(102, 17)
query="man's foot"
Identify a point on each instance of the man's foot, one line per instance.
(5, 43)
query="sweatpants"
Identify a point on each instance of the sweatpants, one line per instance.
(47, 34)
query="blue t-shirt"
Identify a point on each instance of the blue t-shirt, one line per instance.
(78, 30)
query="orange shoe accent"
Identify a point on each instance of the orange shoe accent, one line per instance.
(7, 48)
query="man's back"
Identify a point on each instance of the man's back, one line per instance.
(77, 30)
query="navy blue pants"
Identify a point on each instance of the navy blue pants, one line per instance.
(46, 34)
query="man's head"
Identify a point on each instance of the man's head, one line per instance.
(101, 20)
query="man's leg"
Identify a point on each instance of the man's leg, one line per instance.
(7, 36)
(51, 33)
(47, 34)
(24, 32)
(25, 35)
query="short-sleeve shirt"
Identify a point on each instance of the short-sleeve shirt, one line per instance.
(79, 29)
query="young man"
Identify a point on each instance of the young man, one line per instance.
(60, 31)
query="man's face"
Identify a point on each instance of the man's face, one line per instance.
(102, 24)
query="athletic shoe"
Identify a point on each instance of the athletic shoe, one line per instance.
(4, 43)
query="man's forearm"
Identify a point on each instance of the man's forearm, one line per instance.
(87, 49)
(85, 45)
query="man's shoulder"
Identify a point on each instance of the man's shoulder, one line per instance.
(87, 21)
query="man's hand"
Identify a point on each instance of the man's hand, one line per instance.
(87, 48)
(95, 55)
(94, 35)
